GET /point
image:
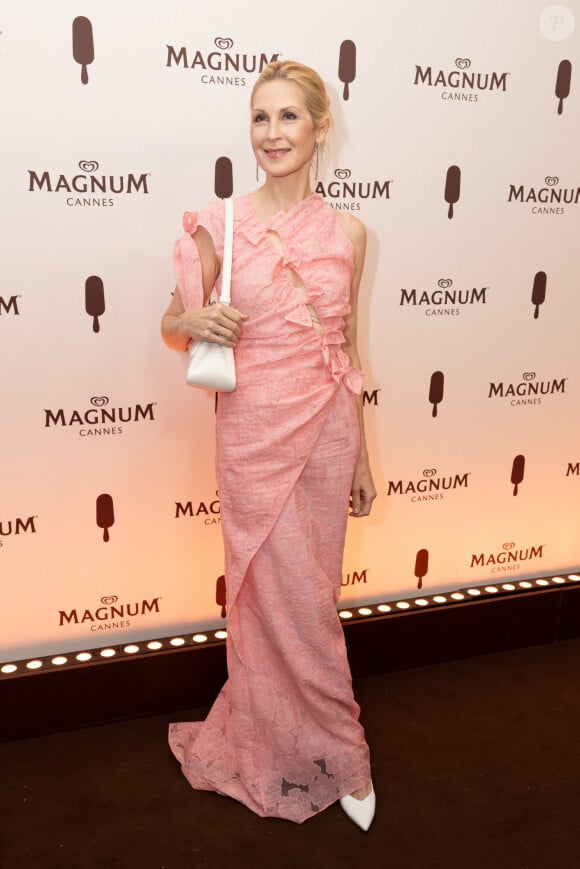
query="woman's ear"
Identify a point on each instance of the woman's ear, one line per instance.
(322, 131)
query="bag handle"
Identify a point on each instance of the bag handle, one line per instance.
(228, 251)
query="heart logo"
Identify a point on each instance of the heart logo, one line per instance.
(342, 173)
(529, 375)
(429, 472)
(110, 599)
(89, 165)
(99, 400)
(444, 283)
(508, 545)
(462, 63)
(551, 180)
(223, 44)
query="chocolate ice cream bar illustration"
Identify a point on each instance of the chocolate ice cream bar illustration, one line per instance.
(220, 594)
(83, 48)
(452, 187)
(94, 299)
(436, 390)
(347, 65)
(224, 179)
(538, 292)
(105, 515)
(563, 83)
(518, 466)
(421, 566)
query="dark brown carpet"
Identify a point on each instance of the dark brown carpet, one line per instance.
(476, 765)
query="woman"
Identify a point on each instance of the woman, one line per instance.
(283, 736)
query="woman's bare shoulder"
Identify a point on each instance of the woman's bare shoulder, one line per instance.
(354, 228)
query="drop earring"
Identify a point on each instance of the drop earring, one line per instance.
(257, 172)
(317, 161)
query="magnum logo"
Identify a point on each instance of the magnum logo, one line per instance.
(9, 306)
(219, 61)
(436, 387)
(370, 397)
(83, 48)
(354, 578)
(518, 467)
(87, 182)
(563, 83)
(421, 566)
(94, 300)
(460, 84)
(347, 66)
(430, 487)
(15, 527)
(538, 292)
(210, 510)
(452, 188)
(528, 390)
(344, 192)
(445, 300)
(508, 558)
(99, 414)
(573, 469)
(105, 515)
(551, 197)
(104, 616)
(223, 178)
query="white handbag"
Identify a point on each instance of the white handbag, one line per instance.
(209, 365)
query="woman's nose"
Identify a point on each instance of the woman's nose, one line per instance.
(273, 130)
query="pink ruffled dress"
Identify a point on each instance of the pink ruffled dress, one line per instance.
(283, 736)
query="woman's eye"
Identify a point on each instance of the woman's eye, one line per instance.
(258, 119)
(290, 116)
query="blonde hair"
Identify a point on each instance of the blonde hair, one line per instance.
(315, 96)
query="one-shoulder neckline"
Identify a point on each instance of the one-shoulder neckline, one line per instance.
(280, 215)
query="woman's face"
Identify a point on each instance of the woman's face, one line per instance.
(283, 135)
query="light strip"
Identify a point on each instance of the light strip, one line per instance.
(396, 607)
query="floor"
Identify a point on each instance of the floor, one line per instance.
(476, 765)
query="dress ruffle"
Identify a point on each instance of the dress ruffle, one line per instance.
(186, 261)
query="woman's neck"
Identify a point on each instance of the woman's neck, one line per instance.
(280, 194)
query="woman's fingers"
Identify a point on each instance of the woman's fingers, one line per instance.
(227, 322)
(218, 324)
(361, 501)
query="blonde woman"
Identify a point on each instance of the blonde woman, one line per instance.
(283, 736)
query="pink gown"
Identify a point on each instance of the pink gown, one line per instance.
(283, 736)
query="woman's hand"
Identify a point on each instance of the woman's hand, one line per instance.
(218, 324)
(363, 492)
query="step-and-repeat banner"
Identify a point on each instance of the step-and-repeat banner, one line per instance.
(455, 139)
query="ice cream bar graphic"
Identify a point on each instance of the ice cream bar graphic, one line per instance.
(224, 180)
(436, 390)
(347, 65)
(563, 83)
(94, 299)
(452, 187)
(538, 292)
(421, 566)
(220, 594)
(105, 515)
(83, 48)
(518, 466)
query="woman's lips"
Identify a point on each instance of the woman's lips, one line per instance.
(276, 153)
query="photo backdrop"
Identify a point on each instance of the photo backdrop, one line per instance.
(455, 140)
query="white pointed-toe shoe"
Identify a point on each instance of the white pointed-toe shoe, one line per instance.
(361, 812)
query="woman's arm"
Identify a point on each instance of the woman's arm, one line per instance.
(363, 490)
(219, 324)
